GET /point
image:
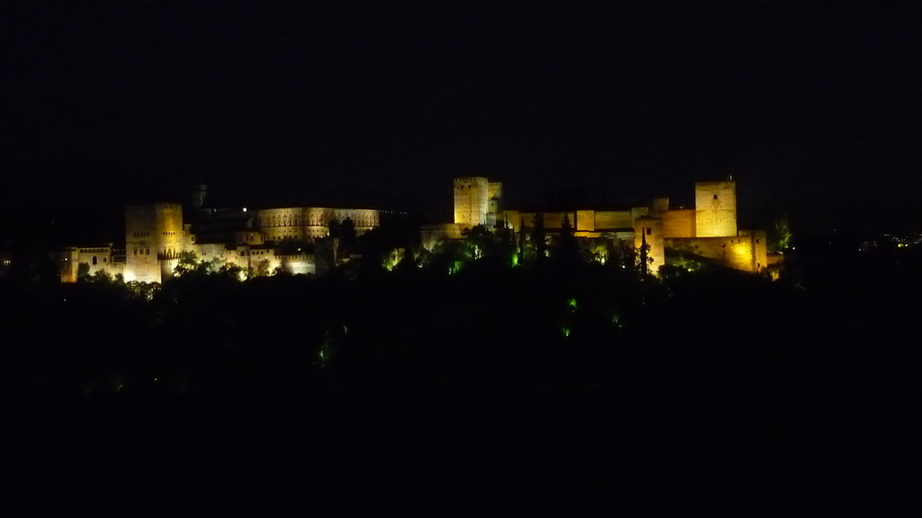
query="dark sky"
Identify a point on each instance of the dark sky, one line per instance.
(377, 104)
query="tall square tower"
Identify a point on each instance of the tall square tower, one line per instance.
(472, 196)
(153, 234)
(715, 209)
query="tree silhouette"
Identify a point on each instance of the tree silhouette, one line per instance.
(83, 272)
(539, 238)
(478, 242)
(567, 248)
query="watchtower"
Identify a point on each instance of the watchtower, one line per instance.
(715, 209)
(472, 195)
(153, 236)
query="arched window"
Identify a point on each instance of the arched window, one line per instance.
(94, 260)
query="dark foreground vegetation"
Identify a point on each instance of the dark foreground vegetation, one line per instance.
(516, 388)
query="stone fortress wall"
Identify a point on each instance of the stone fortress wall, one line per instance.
(260, 240)
(284, 238)
(709, 230)
(310, 223)
(648, 233)
(95, 259)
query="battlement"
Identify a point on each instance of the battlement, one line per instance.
(470, 179)
(472, 201)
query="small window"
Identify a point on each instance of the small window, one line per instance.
(649, 231)
(94, 260)
(757, 240)
(715, 196)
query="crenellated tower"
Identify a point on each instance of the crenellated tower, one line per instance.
(472, 195)
(153, 239)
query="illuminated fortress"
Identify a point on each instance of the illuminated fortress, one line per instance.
(709, 230)
(294, 239)
(289, 239)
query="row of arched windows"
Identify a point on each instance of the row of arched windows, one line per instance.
(287, 220)
(318, 218)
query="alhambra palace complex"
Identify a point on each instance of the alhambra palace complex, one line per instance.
(293, 238)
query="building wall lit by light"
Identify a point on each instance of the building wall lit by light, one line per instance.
(709, 230)
(256, 241)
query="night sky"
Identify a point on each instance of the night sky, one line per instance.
(813, 110)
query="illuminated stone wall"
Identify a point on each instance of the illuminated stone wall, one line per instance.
(650, 231)
(553, 221)
(430, 235)
(585, 221)
(524, 220)
(758, 243)
(95, 258)
(310, 223)
(494, 199)
(364, 219)
(715, 209)
(613, 219)
(679, 223)
(248, 237)
(98, 258)
(290, 224)
(639, 212)
(472, 195)
(69, 263)
(248, 258)
(747, 252)
(252, 257)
